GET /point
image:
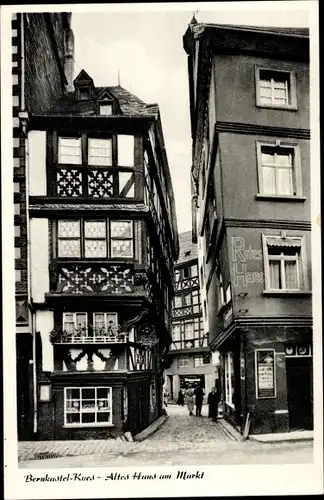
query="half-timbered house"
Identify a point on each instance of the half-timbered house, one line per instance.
(103, 239)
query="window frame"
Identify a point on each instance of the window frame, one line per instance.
(228, 372)
(296, 168)
(199, 364)
(292, 92)
(82, 239)
(109, 423)
(302, 263)
(76, 137)
(75, 313)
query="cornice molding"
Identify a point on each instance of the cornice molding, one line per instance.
(251, 128)
(54, 209)
(293, 225)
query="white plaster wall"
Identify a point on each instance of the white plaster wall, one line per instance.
(39, 259)
(126, 150)
(37, 163)
(44, 324)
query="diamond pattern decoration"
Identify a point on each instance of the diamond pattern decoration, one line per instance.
(100, 183)
(69, 182)
(78, 279)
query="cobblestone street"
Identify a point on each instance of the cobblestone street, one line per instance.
(181, 440)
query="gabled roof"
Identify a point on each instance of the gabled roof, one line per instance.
(188, 249)
(83, 77)
(130, 104)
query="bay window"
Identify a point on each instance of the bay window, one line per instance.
(87, 406)
(95, 238)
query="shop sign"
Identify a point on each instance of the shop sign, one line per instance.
(265, 373)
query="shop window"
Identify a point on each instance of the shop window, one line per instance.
(198, 361)
(279, 169)
(275, 88)
(69, 150)
(284, 262)
(229, 379)
(87, 406)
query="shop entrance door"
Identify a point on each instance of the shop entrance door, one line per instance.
(299, 393)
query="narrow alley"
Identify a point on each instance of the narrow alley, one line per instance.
(182, 440)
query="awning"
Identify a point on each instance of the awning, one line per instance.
(280, 242)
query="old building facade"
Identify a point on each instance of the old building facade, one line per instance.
(249, 105)
(40, 64)
(189, 355)
(103, 239)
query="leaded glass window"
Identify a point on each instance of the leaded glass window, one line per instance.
(121, 239)
(87, 406)
(95, 239)
(69, 238)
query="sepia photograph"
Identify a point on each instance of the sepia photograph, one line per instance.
(163, 219)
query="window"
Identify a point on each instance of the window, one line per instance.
(106, 322)
(198, 361)
(121, 238)
(177, 276)
(186, 272)
(194, 271)
(275, 88)
(17, 253)
(178, 301)
(176, 332)
(95, 239)
(284, 265)
(84, 94)
(87, 406)
(220, 287)
(18, 275)
(187, 299)
(189, 331)
(105, 109)
(229, 379)
(69, 150)
(100, 152)
(279, 169)
(75, 323)
(182, 362)
(17, 208)
(17, 231)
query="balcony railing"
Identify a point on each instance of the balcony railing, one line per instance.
(86, 278)
(89, 336)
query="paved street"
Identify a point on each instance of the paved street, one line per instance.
(185, 440)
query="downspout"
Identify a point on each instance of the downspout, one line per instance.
(32, 317)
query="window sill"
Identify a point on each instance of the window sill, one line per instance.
(287, 292)
(280, 197)
(83, 426)
(290, 107)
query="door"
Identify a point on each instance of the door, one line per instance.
(299, 393)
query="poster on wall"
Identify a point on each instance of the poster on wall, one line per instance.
(265, 373)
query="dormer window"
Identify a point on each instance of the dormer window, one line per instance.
(84, 94)
(105, 109)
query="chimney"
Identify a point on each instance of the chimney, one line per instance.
(69, 59)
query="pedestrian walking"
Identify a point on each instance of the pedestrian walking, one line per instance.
(199, 396)
(213, 401)
(165, 397)
(180, 401)
(190, 398)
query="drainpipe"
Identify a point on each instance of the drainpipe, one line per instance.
(24, 121)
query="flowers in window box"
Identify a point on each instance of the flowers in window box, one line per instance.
(58, 336)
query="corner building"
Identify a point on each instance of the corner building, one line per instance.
(103, 239)
(249, 105)
(189, 355)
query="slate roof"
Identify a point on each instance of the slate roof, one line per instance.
(186, 246)
(129, 103)
(278, 30)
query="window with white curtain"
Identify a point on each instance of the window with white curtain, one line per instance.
(279, 168)
(99, 152)
(69, 150)
(284, 263)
